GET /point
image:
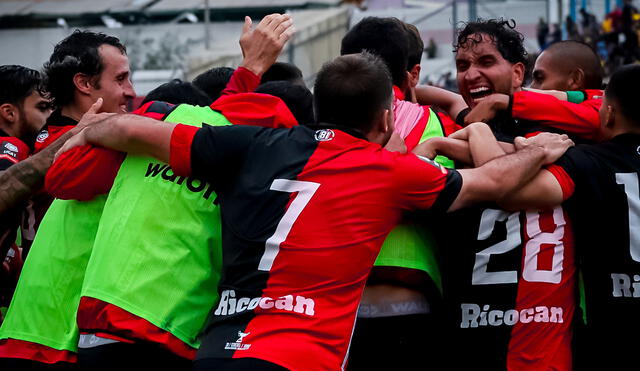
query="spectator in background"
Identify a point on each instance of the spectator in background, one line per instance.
(213, 81)
(431, 49)
(628, 24)
(572, 28)
(542, 32)
(556, 35)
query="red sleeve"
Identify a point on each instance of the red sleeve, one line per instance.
(581, 119)
(424, 184)
(49, 135)
(448, 124)
(83, 173)
(565, 181)
(255, 109)
(180, 149)
(242, 81)
(594, 93)
(12, 151)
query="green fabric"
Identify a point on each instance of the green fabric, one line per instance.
(410, 245)
(432, 130)
(44, 305)
(157, 251)
(576, 96)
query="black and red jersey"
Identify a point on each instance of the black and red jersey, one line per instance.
(509, 288)
(509, 281)
(602, 185)
(305, 212)
(12, 151)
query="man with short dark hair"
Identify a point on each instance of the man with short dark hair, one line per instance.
(83, 67)
(296, 213)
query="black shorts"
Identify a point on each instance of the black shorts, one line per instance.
(237, 364)
(135, 357)
(411, 342)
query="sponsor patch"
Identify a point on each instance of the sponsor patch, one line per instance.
(44, 134)
(324, 135)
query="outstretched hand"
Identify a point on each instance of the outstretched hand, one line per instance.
(555, 145)
(262, 46)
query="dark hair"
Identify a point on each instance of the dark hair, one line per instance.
(281, 71)
(577, 54)
(77, 53)
(352, 90)
(17, 83)
(622, 88)
(298, 98)
(213, 81)
(416, 45)
(384, 37)
(177, 91)
(502, 33)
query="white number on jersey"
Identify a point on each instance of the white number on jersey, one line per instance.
(305, 192)
(630, 183)
(530, 271)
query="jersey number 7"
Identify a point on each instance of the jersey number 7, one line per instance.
(305, 193)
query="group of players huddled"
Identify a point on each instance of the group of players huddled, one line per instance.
(241, 222)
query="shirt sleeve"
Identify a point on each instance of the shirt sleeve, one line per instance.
(448, 124)
(12, 151)
(255, 109)
(83, 173)
(581, 119)
(242, 81)
(209, 151)
(571, 169)
(425, 184)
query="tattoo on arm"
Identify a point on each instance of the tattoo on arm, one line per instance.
(22, 180)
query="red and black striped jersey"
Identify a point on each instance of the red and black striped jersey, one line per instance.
(601, 184)
(305, 212)
(509, 288)
(12, 151)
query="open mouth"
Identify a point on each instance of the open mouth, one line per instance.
(480, 92)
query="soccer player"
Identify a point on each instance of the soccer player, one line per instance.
(508, 277)
(23, 112)
(305, 211)
(599, 187)
(402, 294)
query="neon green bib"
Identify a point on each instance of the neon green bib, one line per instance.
(43, 309)
(157, 252)
(409, 245)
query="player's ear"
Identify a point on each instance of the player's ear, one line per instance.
(610, 116)
(517, 71)
(83, 83)
(8, 112)
(576, 79)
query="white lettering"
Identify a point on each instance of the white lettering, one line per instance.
(229, 304)
(473, 316)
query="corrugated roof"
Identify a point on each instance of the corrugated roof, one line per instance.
(172, 5)
(65, 7)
